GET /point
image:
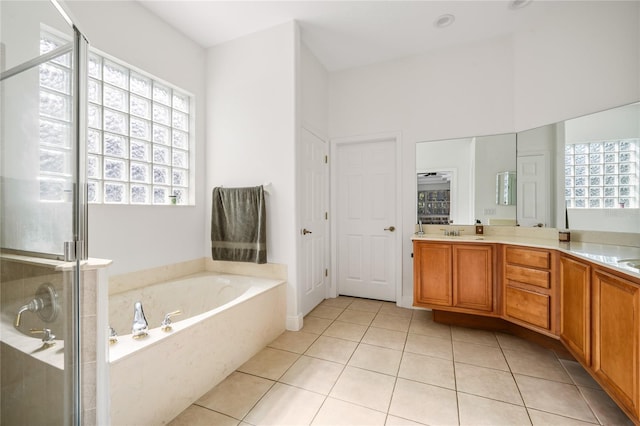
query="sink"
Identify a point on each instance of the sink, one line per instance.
(632, 263)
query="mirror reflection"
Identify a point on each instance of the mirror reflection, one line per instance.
(582, 173)
(457, 180)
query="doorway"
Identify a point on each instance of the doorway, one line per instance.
(366, 209)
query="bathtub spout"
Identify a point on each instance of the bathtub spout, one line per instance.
(140, 326)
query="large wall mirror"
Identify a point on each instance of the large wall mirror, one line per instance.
(459, 180)
(581, 174)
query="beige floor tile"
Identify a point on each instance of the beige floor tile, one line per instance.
(390, 308)
(294, 341)
(422, 314)
(365, 305)
(327, 312)
(430, 370)
(579, 375)
(427, 327)
(554, 397)
(285, 405)
(544, 365)
(391, 322)
(480, 355)
(606, 411)
(313, 374)
(341, 302)
(375, 358)
(430, 346)
(346, 330)
(385, 338)
(399, 421)
(269, 363)
(236, 394)
(541, 418)
(340, 413)
(488, 383)
(198, 416)
(508, 341)
(356, 317)
(332, 349)
(470, 335)
(475, 410)
(315, 325)
(367, 388)
(424, 403)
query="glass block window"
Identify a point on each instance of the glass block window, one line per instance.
(54, 123)
(602, 174)
(137, 138)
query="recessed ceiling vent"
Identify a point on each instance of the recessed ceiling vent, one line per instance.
(444, 20)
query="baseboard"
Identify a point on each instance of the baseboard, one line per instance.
(294, 323)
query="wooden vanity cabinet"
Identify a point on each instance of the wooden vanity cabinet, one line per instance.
(455, 276)
(575, 307)
(529, 293)
(615, 334)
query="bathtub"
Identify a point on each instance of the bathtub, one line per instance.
(226, 319)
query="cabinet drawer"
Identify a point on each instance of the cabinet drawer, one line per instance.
(528, 306)
(528, 257)
(534, 277)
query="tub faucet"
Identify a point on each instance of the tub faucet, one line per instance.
(35, 305)
(166, 322)
(140, 325)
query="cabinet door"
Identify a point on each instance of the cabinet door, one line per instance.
(615, 335)
(432, 274)
(473, 277)
(575, 307)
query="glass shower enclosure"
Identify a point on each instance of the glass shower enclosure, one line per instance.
(42, 213)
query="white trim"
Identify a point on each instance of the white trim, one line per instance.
(294, 323)
(396, 137)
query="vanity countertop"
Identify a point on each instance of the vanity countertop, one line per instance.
(609, 255)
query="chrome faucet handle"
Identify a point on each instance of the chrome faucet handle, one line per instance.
(48, 338)
(166, 322)
(113, 336)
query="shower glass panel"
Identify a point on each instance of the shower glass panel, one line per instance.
(42, 213)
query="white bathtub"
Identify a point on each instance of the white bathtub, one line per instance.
(226, 320)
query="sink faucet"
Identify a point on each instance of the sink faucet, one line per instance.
(140, 325)
(420, 231)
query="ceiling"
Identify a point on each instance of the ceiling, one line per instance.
(347, 34)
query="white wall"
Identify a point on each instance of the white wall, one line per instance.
(494, 154)
(583, 59)
(142, 237)
(251, 132)
(314, 92)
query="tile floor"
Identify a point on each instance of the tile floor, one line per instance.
(364, 362)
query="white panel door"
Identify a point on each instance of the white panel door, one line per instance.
(366, 219)
(313, 221)
(532, 190)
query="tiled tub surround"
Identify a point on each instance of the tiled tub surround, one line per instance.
(169, 370)
(363, 362)
(32, 377)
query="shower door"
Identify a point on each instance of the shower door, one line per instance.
(42, 213)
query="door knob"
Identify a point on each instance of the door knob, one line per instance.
(305, 231)
(391, 228)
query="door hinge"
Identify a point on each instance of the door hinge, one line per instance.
(326, 272)
(326, 215)
(326, 159)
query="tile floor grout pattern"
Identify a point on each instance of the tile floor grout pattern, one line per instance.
(365, 362)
